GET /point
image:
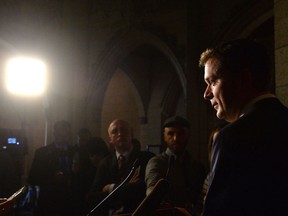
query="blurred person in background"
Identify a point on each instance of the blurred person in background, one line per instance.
(114, 168)
(51, 170)
(184, 174)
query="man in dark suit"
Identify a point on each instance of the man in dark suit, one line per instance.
(51, 171)
(114, 168)
(249, 156)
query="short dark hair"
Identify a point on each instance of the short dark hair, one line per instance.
(242, 54)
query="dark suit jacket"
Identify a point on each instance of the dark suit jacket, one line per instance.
(129, 195)
(55, 192)
(250, 163)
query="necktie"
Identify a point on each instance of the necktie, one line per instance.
(121, 167)
(121, 162)
(64, 165)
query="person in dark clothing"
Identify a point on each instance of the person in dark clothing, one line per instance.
(97, 149)
(249, 156)
(114, 168)
(51, 170)
(82, 179)
(81, 158)
(184, 174)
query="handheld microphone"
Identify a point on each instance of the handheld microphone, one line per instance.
(134, 167)
(151, 202)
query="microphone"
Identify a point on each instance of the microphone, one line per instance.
(170, 163)
(134, 167)
(152, 201)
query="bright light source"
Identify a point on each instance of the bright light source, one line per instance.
(26, 76)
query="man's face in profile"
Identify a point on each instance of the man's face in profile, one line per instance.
(223, 91)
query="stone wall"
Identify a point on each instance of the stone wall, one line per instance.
(281, 49)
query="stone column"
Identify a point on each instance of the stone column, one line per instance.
(281, 49)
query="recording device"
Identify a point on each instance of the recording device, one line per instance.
(134, 167)
(13, 141)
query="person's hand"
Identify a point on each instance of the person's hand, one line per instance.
(136, 176)
(6, 206)
(106, 188)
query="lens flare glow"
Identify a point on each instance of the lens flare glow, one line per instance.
(26, 76)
